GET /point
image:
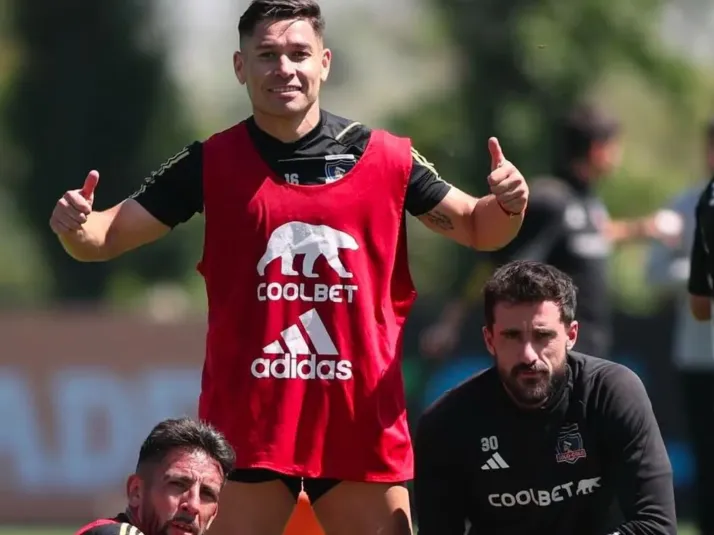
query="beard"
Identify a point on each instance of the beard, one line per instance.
(152, 525)
(538, 386)
(183, 519)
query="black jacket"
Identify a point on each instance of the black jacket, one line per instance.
(592, 462)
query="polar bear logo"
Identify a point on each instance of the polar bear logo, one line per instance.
(313, 241)
(587, 486)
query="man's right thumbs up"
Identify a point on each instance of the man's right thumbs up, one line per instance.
(90, 184)
(72, 210)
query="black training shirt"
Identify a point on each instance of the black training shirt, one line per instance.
(174, 193)
(592, 462)
(701, 274)
(565, 227)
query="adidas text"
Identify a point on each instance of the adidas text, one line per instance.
(318, 293)
(289, 367)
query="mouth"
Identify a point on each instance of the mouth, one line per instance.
(531, 373)
(183, 528)
(285, 89)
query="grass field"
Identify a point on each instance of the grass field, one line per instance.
(683, 530)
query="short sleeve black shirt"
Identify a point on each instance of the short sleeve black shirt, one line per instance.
(174, 192)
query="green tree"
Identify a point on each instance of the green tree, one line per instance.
(523, 63)
(90, 85)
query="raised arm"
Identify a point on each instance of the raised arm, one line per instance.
(169, 196)
(487, 223)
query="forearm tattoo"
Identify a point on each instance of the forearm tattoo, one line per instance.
(440, 220)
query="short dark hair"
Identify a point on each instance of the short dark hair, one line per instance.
(187, 434)
(582, 126)
(274, 10)
(527, 281)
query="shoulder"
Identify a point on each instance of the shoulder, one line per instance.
(345, 131)
(606, 383)
(188, 155)
(441, 434)
(595, 370)
(352, 133)
(446, 412)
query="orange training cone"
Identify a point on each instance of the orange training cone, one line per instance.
(303, 520)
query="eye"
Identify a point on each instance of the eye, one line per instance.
(177, 485)
(208, 495)
(267, 55)
(544, 335)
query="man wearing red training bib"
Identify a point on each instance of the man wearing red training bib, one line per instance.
(305, 264)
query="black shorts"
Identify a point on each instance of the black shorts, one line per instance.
(313, 487)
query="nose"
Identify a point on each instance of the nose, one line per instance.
(528, 354)
(285, 67)
(191, 501)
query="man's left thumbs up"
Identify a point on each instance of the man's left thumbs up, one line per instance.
(505, 181)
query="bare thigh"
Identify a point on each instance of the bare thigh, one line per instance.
(365, 509)
(253, 509)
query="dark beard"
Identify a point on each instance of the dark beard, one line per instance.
(151, 525)
(184, 520)
(537, 390)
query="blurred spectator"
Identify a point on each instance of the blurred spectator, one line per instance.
(567, 225)
(693, 351)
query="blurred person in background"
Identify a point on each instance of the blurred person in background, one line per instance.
(306, 270)
(179, 476)
(547, 440)
(694, 353)
(567, 226)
